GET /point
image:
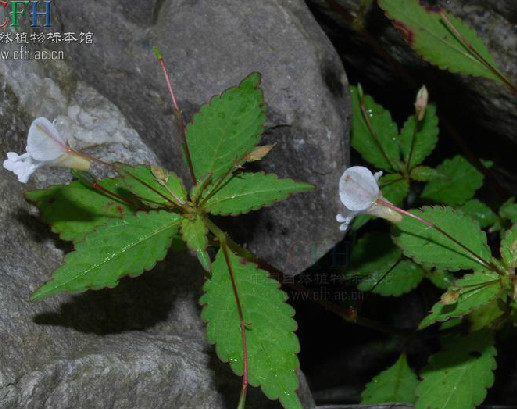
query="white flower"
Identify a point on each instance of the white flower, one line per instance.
(359, 192)
(45, 147)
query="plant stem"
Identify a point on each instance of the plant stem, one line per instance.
(224, 247)
(418, 125)
(476, 257)
(179, 113)
(121, 171)
(349, 315)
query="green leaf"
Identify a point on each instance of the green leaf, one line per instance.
(428, 33)
(486, 316)
(379, 147)
(396, 384)
(458, 376)
(425, 174)
(193, 232)
(509, 247)
(441, 278)
(402, 278)
(459, 185)
(245, 192)
(394, 187)
(509, 210)
(466, 295)
(75, 210)
(418, 145)
(141, 181)
(271, 342)
(227, 128)
(430, 247)
(125, 247)
(480, 212)
(376, 263)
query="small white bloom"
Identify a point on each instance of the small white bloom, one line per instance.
(45, 147)
(359, 192)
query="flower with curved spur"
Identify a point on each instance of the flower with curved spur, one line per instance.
(45, 147)
(359, 192)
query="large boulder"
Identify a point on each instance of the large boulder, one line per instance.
(211, 46)
(142, 344)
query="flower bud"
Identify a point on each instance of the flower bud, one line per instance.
(422, 98)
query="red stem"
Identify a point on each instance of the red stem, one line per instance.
(179, 113)
(244, 390)
(476, 258)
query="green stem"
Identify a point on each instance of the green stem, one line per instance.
(418, 125)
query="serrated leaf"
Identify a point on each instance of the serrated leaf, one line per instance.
(428, 246)
(468, 293)
(193, 232)
(142, 182)
(394, 187)
(458, 376)
(271, 342)
(459, 185)
(76, 209)
(245, 192)
(509, 247)
(429, 34)
(509, 210)
(480, 212)
(441, 279)
(227, 128)
(416, 145)
(425, 174)
(396, 384)
(379, 147)
(377, 265)
(125, 247)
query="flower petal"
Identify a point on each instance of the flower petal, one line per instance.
(44, 142)
(345, 219)
(23, 166)
(358, 188)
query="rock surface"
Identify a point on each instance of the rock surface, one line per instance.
(142, 344)
(211, 46)
(479, 109)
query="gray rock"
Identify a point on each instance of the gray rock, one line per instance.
(476, 107)
(140, 345)
(210, 46)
